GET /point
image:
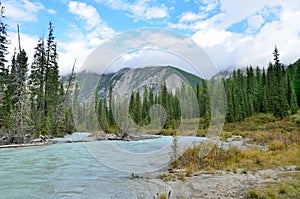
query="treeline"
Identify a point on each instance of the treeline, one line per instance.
(33, 99)
(115, 115)
(275, 90)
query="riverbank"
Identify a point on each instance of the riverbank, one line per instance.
(26, 145)
(89, 137)
(231, 185)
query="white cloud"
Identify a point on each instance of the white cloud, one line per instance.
(255, 22)
(51, 11)
(190, 17)
(91, 18)
(23, 10)
(85, 12)
(211, 37)
(156, 12)
(241, 50)
(139, 10)
(267, 23)
(82, 42)
(27, 43)
(69, 51)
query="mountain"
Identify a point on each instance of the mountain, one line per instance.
(126, 80)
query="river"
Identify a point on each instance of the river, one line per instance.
(100, 169)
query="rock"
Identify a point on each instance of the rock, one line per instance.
(36, 140)
(133, 175)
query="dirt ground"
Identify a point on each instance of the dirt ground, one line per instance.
(223, 184)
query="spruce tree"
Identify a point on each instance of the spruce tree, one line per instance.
(3, 71)
(52, 82)
(264, 105)
(296, 82)
(292, 100)
(20, 108)
(257, 90)
(280, 102)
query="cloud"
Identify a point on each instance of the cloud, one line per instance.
(23, 10)
(263, 24)
(241, 50)
(156, 12)
(138, 10)
(255, 22)
(191, 16)
(85, 12)
(51, 11)
(211, 37)
(137, 48)
(27, 42)
(82, 42)
(91, 18)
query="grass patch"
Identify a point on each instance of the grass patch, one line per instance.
(250, 159)
(289, 187)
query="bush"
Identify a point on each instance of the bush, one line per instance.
(296, 119)
(276, 145)
(253, 194)
(166, 132)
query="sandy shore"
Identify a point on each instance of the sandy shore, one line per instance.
(224, 184)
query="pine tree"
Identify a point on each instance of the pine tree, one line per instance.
(132, 106)
(52, 82)
(145, 107)
(3, 45)
(250, 91)
(3, 70)
(37, 87)
(205, 111)
(110, 114)
(264, 97)
(257, 90)
(296, 82)
(20, 108)
(137, 108)
(292, 100)
(280, 102)
(76, 107)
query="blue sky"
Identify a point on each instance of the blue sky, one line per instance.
(233, 33)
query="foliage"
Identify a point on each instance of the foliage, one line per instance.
(32, 103)
(270, 92)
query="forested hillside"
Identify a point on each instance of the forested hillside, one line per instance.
(272, 90)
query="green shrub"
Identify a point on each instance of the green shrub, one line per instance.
(252, 194)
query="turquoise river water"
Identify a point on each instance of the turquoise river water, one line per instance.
(100, 169)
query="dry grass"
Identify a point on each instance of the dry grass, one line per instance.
(288, 187)
(281, 138)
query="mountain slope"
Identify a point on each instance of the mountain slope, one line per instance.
(126, 80)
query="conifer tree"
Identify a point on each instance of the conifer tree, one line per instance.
(37, 87)
(20, 108)
(3, 69)
(292, 100)
(280, 102)
(296, 82)
(264, 98)
(257, 90)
